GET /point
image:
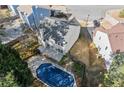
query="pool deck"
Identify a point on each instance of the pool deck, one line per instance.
(35, 61)
(51, 53)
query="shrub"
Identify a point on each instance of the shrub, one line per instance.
(13, 71)
(121, 14)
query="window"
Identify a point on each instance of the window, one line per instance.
(99, 48)
(59, 50)
(99, 38)
(106, 48)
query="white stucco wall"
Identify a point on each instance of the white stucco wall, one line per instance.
(101, 40)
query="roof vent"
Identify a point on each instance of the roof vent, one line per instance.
(96, 23)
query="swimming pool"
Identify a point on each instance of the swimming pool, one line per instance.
(53, 76)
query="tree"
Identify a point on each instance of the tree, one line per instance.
(121, 14)
(13, 71)
(115, 76)
(8, 80)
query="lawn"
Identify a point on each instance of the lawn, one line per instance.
(79, 73)
(78, 68)
(63, 60)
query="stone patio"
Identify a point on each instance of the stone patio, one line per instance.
(51, 53)
(34, 62)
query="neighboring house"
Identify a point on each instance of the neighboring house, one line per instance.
(112, 16)
(58, 36)
(13, 9)
(25, 13)
(40, 12)
(33, 15)
(109, 37)
(111, 19)
(59, 11)
(109, 41)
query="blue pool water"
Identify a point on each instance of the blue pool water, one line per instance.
(54, 76)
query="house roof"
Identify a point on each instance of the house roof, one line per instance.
(44, 6)
(106, 24)
(115, 35)
(25, 8)
(28, 8)
(59, 7)
(57, 30)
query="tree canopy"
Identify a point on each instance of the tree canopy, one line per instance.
(13, 71)
(115, 76)
(121, 14)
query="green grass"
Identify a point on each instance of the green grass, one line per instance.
(79, 68)
(63, 62)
